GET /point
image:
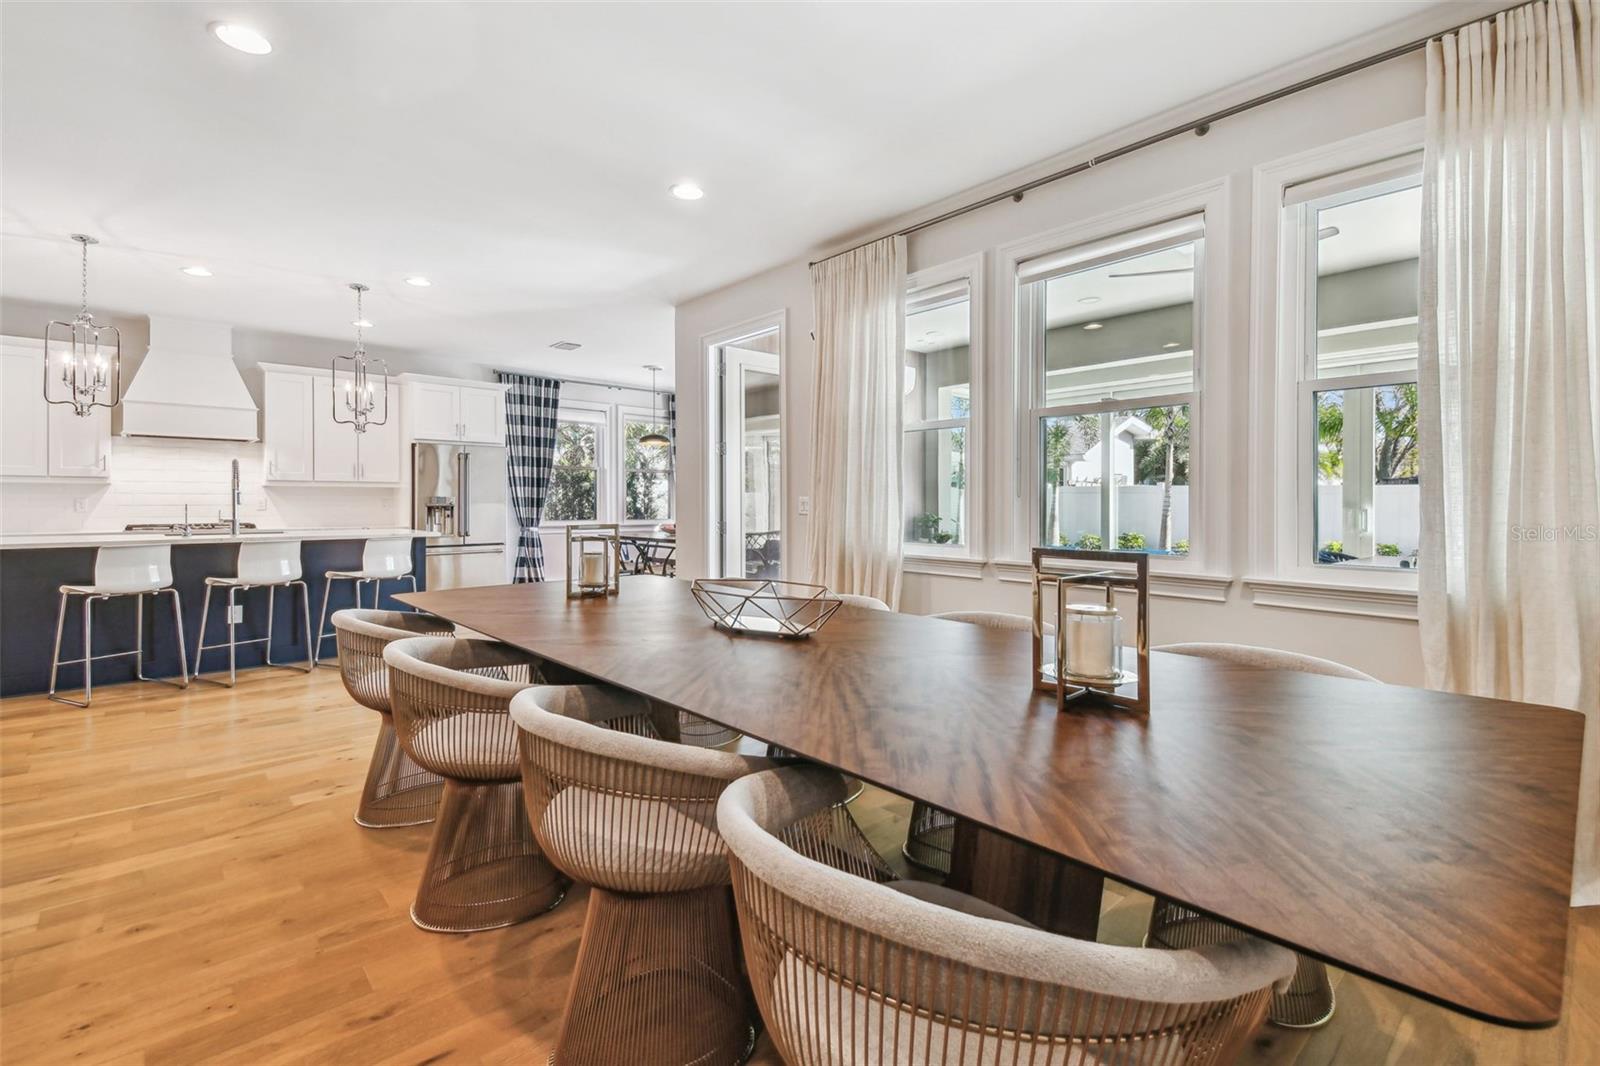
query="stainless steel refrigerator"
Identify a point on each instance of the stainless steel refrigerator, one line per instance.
(458, 495)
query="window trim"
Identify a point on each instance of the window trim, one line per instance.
(1279, 534)
(581, 413)
(969, 269)
(1210, 443)
(632, 413)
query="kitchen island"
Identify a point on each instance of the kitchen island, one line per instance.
(34, 566)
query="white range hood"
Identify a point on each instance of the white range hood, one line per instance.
(187, 385)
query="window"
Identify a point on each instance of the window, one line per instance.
(574, 494)
(937, 412)
(647, 471)
(1111, 328)
(1359, 237)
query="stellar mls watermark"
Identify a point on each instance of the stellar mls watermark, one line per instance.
(1579, 533)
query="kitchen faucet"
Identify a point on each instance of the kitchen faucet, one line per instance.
(233, 520)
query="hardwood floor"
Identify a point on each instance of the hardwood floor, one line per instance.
(181, 882)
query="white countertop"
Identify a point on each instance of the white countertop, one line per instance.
(97, 538)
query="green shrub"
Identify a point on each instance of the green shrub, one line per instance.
(1181, 548)
(1131, 541)
(1388, 549)
(1334, 546)
(1090, 542)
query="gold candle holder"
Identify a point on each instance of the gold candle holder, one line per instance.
(1078, 654)
(594, 559)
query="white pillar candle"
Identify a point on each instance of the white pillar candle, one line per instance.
(593, 572)
(1093, 639)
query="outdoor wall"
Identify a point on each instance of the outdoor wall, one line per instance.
(1381, 96)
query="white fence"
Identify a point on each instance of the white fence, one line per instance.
(1397, 515)
(1138, 510)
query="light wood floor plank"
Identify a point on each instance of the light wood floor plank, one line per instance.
(181, 882)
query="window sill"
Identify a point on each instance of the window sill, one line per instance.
(944, 565)
(1371, 601)
(1169, 584)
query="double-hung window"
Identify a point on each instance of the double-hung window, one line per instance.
(1353, 241)
(576, 473)
(647, 470)
(1110, 330)
(937, 415)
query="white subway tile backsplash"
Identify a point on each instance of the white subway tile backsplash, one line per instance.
(152, 480)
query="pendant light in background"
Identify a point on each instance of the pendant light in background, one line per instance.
(654, 439)
(355, 390)
(83, 360)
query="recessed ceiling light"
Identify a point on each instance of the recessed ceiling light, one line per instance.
(197, 272)
(242, 38)
(687, 190)
(566, 346)
(419, 281)
(1170, 344)
(1088, 299)
(1094, 325)
(362, 323)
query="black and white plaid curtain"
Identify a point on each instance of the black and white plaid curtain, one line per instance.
(531, 440)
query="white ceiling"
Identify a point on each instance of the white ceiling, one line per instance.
(519, 155)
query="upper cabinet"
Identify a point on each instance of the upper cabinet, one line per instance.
(304, 443)
(439, 409)
(38, 439)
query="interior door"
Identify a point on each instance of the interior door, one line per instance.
(751, 522)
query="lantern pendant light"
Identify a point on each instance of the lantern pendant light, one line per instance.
(83, 360)
(356, 390)
(654, 439)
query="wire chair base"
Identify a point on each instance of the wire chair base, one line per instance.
(658, 982)
(484, 869)
(1308, 1003)
(397, 792)
(930, 838)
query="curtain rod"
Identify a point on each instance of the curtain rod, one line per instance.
(580, 381)
(1200, 127)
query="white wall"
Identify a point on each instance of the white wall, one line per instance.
(1373, 99)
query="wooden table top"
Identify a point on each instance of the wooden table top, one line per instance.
(1419, 838)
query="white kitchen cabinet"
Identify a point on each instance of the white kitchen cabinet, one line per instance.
(286, 416)
(79, 447)
(304, 443)
(39, 439)
(434, 410)
(439, 409)
(483, 415)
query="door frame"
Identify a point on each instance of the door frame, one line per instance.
(711, 396)
(732, 472)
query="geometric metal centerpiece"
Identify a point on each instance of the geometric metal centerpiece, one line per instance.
(790, 609)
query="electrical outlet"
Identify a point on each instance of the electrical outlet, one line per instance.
(236, 614)
(804, 505)
(80, 505)
(261, 504)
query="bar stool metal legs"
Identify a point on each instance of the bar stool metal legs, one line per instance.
(649, 964)
(232, 643)
(484, 869)
(323, 632)
(89, 658)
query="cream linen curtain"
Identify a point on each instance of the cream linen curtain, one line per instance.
(1510, 372)
(856, 534)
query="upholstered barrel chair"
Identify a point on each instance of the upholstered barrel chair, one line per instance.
(615, 803)
(931, 836)
(849, 972)
(1309, 1000)
(451, 699)
(397, 791)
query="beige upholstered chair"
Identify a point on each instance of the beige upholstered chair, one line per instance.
(931, 836)
(848, 972)
(871, 603)
(450, 698)
(657, 978)
(398, 791)
(1308, 1001)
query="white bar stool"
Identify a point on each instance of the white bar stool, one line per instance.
(131, 570)
(381, 560)
(271, 565)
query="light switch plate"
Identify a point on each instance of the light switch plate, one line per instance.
(804, 505)
(80, 505)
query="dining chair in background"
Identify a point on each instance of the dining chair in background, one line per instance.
(397, 791)
(1308, 1001)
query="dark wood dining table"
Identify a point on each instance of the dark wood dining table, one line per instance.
(1419, 838)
